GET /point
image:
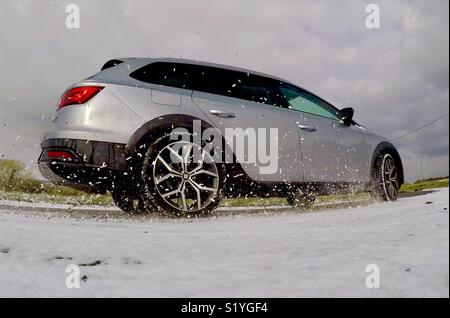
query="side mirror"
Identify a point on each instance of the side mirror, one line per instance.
(347, 115)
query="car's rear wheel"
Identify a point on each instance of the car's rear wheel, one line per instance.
(129, 202)
(181, 177)
(387, 183)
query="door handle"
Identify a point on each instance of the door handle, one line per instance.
(307, 128)
(222, 114)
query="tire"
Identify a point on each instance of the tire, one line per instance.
(128, 202)
(176, 183)
(301, 199)
(386, 180)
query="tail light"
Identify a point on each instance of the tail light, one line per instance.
(78, 95)
(58, 154)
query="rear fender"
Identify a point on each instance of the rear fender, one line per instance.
(151, 131)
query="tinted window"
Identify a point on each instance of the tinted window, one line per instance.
(235, 84)
(303, 101)
(167, 74)
(210, 80)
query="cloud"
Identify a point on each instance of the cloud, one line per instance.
(396, 77)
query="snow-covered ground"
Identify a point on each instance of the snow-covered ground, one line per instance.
(280, 255)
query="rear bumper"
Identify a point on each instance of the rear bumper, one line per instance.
(93, 165)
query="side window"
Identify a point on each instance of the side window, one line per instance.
(211, 80)
(234, 84)
(303, 101)
(167, 74)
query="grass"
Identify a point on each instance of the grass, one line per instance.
(255, 201)
(425, 184)
(17, 184)
(106, 200)
(64, 195)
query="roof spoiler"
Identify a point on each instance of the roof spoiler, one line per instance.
(111, 63)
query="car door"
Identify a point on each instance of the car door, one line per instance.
(331, 150)
(235, 100)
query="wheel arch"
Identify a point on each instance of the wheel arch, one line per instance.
(156, 128)
(387, 147)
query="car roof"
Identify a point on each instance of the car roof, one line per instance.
(145, 61)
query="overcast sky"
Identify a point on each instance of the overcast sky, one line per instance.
(396, 77)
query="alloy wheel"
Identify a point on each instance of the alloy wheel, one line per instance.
(390, 177)
(185, 176)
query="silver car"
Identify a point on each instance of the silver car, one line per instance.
(137, 129)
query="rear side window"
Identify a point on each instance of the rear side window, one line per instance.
(167, 74)
(235, 84)
(210, 80)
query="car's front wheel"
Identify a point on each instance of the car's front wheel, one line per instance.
(181, 177)
(387, 183)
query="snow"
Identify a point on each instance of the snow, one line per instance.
(288, 254)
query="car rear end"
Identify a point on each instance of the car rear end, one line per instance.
(85, 146)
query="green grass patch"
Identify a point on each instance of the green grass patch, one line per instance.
(420, 185)
(106, 200)
(255, 201)
(17, 184)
